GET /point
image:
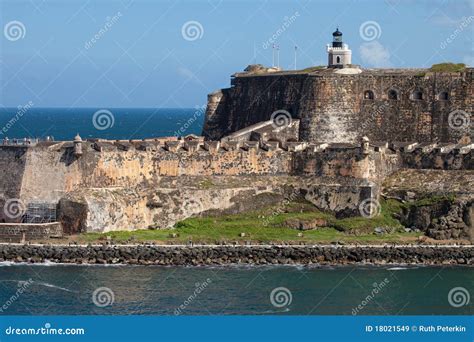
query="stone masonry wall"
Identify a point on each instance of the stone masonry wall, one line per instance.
(333, 107)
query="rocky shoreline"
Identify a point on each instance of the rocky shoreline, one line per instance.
(223, 255)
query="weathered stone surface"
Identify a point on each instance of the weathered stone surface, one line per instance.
(221, 255)
(16, 232)
(332, 108)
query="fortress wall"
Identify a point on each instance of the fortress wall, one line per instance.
(406, 119)
(108, 188)
(12, 167)
(332, 107)
(436, 160)
(47, 173)
(249, 101)
(346, 162)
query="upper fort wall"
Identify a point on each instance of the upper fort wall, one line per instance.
(385, 105)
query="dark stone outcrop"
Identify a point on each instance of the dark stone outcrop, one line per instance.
(221, 255)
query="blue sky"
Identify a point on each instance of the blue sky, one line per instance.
(146, 59)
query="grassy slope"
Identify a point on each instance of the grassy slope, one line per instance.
(269, 226)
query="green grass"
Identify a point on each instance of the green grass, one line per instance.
(265, 226)
(448, 67)
(430, 200)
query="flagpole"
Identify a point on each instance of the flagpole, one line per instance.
(273, 55)
(278, 55)
(296, 48)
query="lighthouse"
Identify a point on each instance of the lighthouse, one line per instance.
(339, 54)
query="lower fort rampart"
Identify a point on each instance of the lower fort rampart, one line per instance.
(100, 185)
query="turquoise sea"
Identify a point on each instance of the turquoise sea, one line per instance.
(123, 123)
(232, 290)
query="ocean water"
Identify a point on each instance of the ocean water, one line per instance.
(109, 123)
(231, 290)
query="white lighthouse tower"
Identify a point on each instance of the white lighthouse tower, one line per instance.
(339, 54)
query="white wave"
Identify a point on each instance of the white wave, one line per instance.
(52, 286)
(276, 311)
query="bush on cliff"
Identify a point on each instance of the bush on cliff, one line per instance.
(448, 67)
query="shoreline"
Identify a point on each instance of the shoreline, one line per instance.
(212, 255)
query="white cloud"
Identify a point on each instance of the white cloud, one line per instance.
(185, 72)
(375, 54)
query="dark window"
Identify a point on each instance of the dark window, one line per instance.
(338, 59)
(368, 95)
(443, 96)
(392, 95)
(417, 95)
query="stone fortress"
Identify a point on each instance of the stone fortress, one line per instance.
(340, 136)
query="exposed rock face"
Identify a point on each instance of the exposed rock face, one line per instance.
(73, 214)
(446, 207)
(454, 224)
(334, 107)
(112, 209)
